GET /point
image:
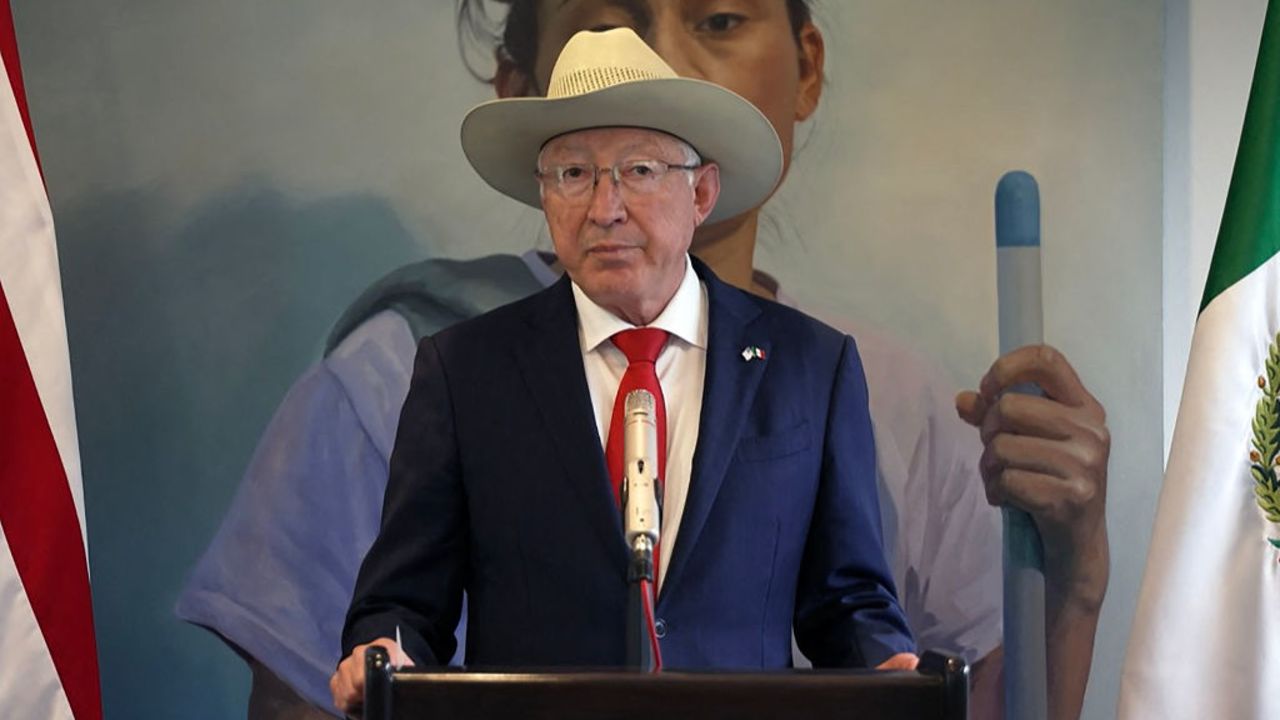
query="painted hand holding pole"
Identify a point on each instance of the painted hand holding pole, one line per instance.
(1021, 323)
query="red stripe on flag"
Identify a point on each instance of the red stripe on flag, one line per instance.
(41, 526)
(37, 511)
(9, 51)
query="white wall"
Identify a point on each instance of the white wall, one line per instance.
(1210, 50)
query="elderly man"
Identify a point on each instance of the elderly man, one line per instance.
(500, 478)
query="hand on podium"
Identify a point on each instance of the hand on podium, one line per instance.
(901, 661)
(347, 683)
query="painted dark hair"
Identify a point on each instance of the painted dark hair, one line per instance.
(514, 36)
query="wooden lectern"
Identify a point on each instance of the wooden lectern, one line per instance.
(938, 690)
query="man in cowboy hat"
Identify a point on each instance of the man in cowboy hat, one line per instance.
(500, 478)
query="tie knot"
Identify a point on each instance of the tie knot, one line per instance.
(641, 344)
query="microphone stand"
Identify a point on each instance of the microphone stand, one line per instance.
(641, 636)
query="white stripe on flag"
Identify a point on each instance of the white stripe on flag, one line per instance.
(28, 679)
(32, 285)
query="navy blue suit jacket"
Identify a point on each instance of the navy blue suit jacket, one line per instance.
(498, 486)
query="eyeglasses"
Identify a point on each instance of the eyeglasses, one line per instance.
(636, 176)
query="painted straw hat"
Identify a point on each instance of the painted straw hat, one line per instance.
(613, 79)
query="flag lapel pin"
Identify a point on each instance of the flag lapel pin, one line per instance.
(751, 352)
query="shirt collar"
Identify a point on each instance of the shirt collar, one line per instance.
(685, 316)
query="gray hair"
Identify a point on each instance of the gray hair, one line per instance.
(691, 156)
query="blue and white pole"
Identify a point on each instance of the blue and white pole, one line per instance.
(1021, 323)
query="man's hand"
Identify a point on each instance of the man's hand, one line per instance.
(901, 661)
(1048, 456)
(347, 684)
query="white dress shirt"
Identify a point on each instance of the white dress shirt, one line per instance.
(681, 369)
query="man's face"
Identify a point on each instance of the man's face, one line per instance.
(626, 249)
(746, 46)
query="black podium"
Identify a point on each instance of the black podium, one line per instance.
(938, 690)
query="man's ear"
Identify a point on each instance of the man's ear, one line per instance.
(706, 190)
(510, 81)
(811, 54)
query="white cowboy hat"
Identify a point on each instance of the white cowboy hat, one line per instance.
(613, 79)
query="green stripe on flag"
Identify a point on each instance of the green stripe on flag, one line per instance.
(1250, 232)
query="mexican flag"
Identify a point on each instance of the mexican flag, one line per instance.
(1206, 635)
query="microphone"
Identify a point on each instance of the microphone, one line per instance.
(641, 514)
(641, 486)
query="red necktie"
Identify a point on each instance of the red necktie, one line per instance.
(641, 346)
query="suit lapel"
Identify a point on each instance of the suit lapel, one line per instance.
(551, 362)
(728, 390)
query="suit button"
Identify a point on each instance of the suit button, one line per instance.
(660, 628)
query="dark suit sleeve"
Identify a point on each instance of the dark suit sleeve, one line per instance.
(847, 612)
(414, 574)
